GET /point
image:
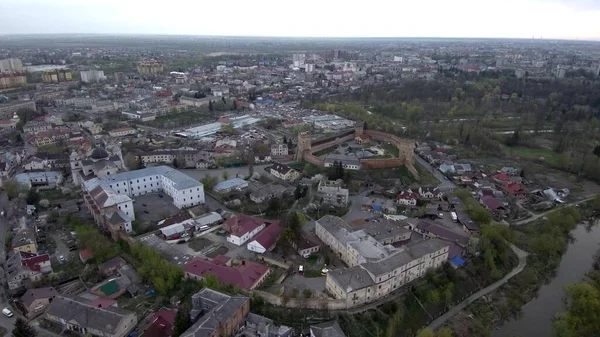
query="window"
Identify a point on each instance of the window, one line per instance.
(138, 180)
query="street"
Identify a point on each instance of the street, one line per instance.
(446, 184)
(5, 322)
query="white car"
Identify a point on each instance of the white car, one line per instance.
(301, 268)
(62, 259)
(6, 312)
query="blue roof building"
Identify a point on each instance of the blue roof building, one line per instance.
(231, 184)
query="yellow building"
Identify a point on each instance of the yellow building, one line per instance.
(12, 80)
(24, 241)
(150, 67)
(57, 75)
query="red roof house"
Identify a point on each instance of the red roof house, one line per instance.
(266, 239)
(242, 228)
(514, 188)
(160, 324)
(85, 255)
(38, 263)
(248, 275)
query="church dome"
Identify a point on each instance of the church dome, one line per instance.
(99, 153)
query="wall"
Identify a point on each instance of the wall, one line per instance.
(311, 303)
(382, 163)
(333, 142)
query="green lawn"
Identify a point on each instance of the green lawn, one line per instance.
(391, 149)
(426, 176)
(530, 153)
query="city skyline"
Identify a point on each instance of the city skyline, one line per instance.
(555, 19)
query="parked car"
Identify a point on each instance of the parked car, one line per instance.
(6, 312)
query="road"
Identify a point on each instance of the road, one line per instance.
(540, 215)
(355, 212)
(446, 184)
(4, 205)
(522, 255)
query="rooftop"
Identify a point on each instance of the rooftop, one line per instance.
(244, 276)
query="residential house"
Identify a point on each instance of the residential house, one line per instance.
(284, 172)
(305, 246)
(247, 275)
(257, 325)
(262, 159)
(327, 329)
(378, 205)
(430, 192)
(407, 198)
(24, 241)
(215, 314)
(122, 132)
(265, 240)
(511, 171)
(493, 204)
(110, 267)
(23, 268)
(514, 189)
(279, 150)
(230, 185)
(267, 193)
(159, 324)
(84, 318)
(242, 228)
(447, 168)
(462, 168)
(332, 193)
(35, 301)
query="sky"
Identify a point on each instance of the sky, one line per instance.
(560, 19)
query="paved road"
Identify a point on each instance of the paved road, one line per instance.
(522, 255)
(355, 202)
(445, 183)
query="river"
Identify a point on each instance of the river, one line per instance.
(538, 314)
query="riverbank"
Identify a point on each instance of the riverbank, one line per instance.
(547, 240)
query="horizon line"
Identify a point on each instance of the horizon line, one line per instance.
(596, 39)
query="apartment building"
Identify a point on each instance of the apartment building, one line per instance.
(8, 110)
(122, 132)
(375, 269)
(92, 76)
(217, 314)
(284, 172)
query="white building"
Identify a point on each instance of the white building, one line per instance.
(242, 228)
(92, 76)
(111, 194)
(284, 172)
(122, 132)
(375, 269)
(280, 149)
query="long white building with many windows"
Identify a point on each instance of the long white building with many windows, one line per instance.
(376, 268)
(99, 193)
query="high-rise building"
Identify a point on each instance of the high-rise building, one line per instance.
(11, 66)
(598, 70)
(560, 71)
(57, 76)
(92, 76)
(299, 59)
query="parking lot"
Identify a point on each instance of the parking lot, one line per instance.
(152, 208)
(171, 252)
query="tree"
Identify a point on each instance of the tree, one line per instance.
(597, 151)
(175, 163)
(131, 161)
(235, 105)
(445, 332)
(425, 333)
(225, 175)
(583, 309)
(307, 293)
(12, 188)
(295, 292)
(209, 181)
(33, 197)
(22, 329)
(210, 106)
(182, 321)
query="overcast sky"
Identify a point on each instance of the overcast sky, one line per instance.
(565, 19)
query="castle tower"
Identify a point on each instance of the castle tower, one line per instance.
(359, 128)
(304, 144)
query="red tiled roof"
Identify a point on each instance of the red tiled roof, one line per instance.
(102, 302)
(408, 195)
(85, 254)
(491, 202)
(501, 176)
(269, 235)
(33, 262)
(241, 224)
(162, 324)
(244, 276)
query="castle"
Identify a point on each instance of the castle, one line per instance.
(306, 148)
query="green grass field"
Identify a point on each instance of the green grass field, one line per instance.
(530, 153)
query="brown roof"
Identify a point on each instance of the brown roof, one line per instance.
(99, 195)
(37, 293)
